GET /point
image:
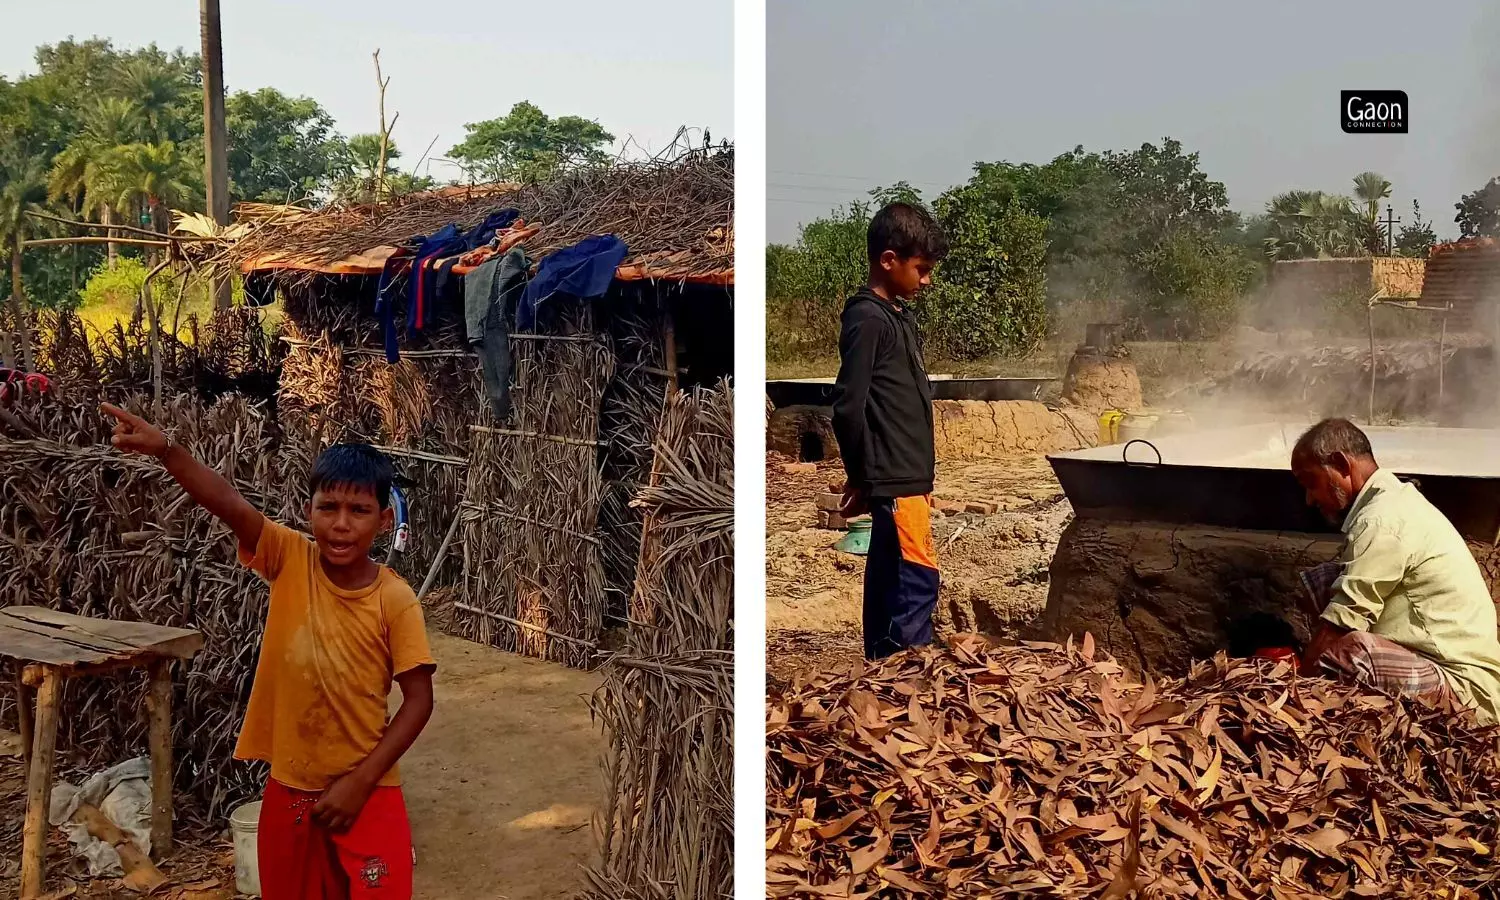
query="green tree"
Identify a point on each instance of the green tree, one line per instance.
(77, 172)
(154, 178)
(1369, 189)
(1416, 237)
(161, 87)
(281, 149)
(1315, 225)
(528, 145)
(990, 293)
(1479, 212)
(23, 190)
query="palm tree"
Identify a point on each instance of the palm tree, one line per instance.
(158, 87)
(23, 189)
(151, 177)
(77, 175)
(1370, 188)
(1312, 224)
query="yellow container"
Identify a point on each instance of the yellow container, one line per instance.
(1109, 426)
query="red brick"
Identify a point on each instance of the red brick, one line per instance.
(981, 507)
(800, 468)
(947, 507)
(832, 521)
(830, 502)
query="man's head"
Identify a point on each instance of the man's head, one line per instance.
(350, 501)
(904, 243)
(1332, 461)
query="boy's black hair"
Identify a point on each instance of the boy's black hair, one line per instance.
(907, 229)
(356, 466)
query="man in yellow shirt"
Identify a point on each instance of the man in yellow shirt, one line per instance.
(1404, 608)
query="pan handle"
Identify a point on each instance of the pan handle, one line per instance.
(1125, 453)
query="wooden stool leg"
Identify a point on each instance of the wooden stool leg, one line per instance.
(159, 708)
(25, 709)
(39, 786)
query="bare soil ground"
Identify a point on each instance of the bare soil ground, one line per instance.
(994, 567)
(501, 788)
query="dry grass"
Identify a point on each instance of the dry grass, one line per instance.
(681, 208)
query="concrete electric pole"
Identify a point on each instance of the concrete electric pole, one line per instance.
(215, 135)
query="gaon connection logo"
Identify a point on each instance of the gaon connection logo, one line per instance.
(1373, 112)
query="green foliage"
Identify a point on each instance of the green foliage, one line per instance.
(1144, 235)
(112, 295)
(528, 145)
(362, 159)
(1416, 237)
(1315, 225)
(1479, 211)
(807, 283)
(116, 290)
(990, 293)
(281, 149)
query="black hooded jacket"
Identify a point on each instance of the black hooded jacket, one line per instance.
(882, 408)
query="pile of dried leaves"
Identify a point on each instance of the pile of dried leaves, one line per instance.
(1047, 771)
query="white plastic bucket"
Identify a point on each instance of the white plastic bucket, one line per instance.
(244, 822)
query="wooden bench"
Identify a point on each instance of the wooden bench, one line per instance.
(52, 647)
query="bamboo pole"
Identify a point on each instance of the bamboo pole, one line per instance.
(155, 317)
(555, 438)
(517, 622)
(155, 235)
(91, 239)
(39, 786)
(159, 709)
(437, 561)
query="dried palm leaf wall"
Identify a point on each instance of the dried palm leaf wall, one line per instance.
(667, 698)
(337, 386)
(87, 530)
(533, 577)
(631, 414)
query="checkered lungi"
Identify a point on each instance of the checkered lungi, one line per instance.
(1373, 660)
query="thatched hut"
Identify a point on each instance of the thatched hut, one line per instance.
(527, 514)
(529, 520)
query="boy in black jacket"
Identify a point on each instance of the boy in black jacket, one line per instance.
(882, 416)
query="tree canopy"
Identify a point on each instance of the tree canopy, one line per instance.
(528, 145)
(116, 134)
(1144, 236)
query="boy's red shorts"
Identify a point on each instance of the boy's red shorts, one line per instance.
(301, 861)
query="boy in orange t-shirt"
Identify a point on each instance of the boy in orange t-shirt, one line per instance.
(340, 628)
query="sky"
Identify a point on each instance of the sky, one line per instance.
(862, 93)
(642, 69)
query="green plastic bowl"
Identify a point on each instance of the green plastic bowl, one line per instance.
(857, 540)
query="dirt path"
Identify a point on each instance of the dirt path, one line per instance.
(503, 782)
(501, 788)
(994, 567)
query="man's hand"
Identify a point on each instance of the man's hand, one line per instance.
(341, 804)
(854, 503)
(134, 434)
(1323, 637)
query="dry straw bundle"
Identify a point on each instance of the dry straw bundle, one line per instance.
(667, 699)
(90, 531)
(983, 771)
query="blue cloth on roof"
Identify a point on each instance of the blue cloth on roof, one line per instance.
(582, 270)
(498, 220)
(426, 282)
(385, 302)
